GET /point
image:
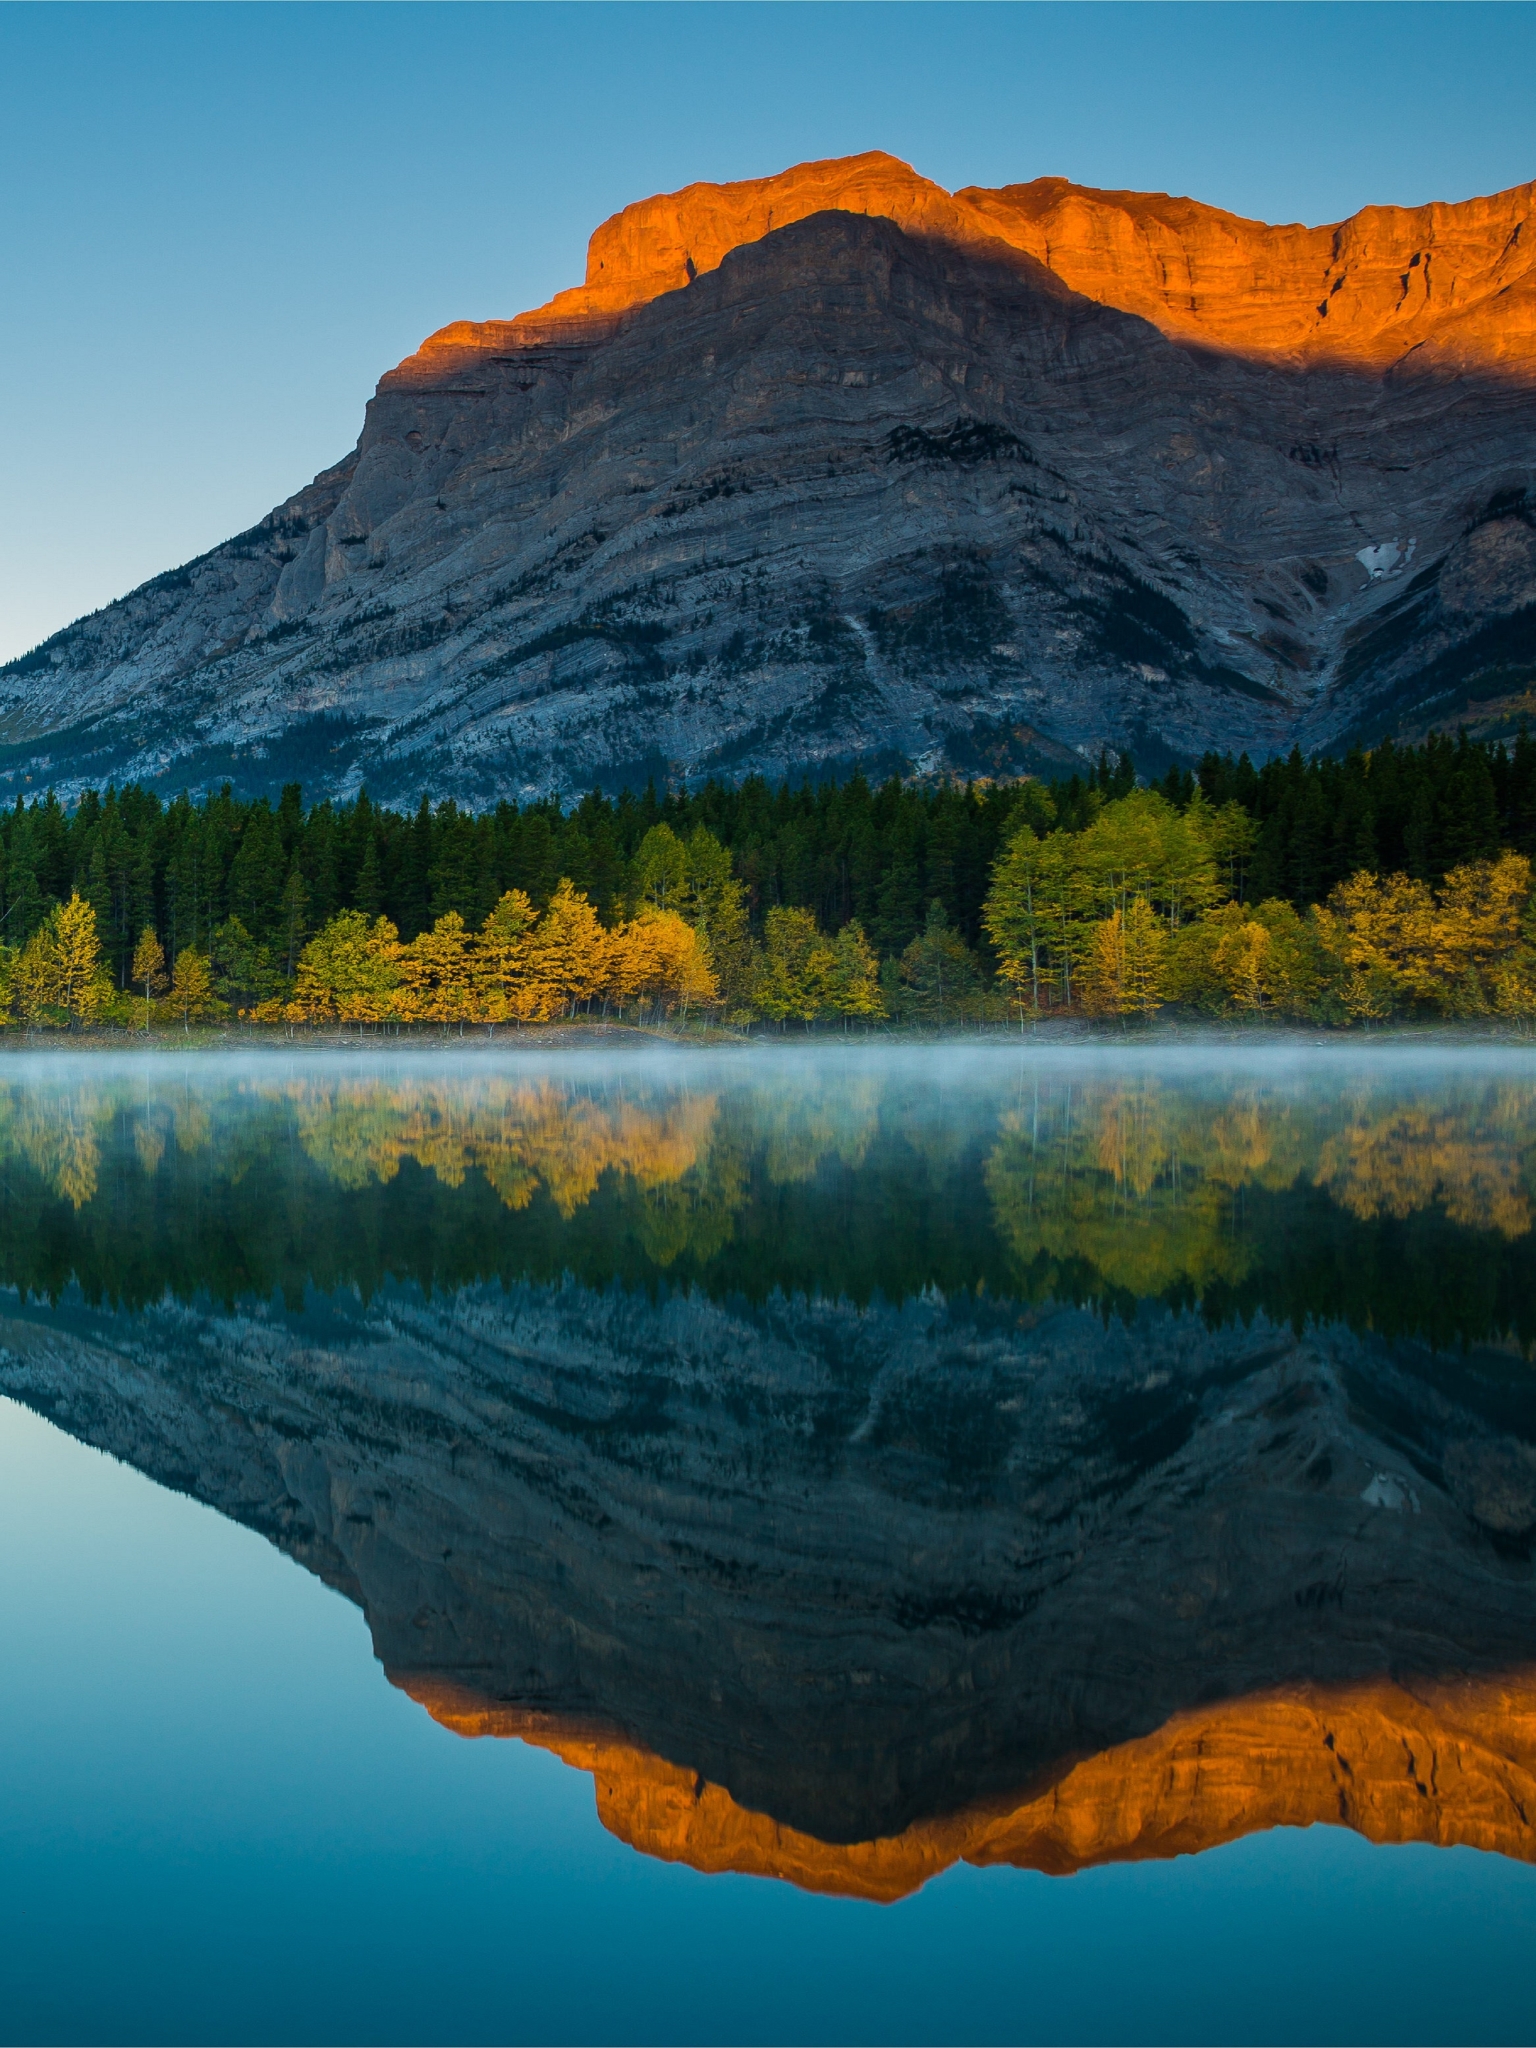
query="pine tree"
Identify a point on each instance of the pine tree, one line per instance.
(939, 970)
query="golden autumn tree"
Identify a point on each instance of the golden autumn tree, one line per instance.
(659, 958)
(508, 992)
(1476, 928)
(148, 970)
(1242, 964)
(193, 997)
(1126, 973)
(437, 983)
(853, 979)
(58, 978)
(1401, 944)
(568, 950)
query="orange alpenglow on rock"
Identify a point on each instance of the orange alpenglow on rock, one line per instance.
(1450, 1762)
(1443, 285)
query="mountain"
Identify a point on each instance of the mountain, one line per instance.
(844, 1594)
(838, 468)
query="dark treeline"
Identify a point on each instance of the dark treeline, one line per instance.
(842, 850)
(1417, 811)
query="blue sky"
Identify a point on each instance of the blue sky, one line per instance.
(220, 224)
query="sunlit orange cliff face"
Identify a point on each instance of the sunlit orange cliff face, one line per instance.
(1448, 286)
(1449, 1762)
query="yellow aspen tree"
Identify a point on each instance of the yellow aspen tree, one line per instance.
(1103, 972)
(1145, 954)
(1242, 964)
(193, 997)
(1476, 927)
(33, 980)
(1382, 929)
(667, 963)
(148, 971)
(507, 990)
(436, 981)
(568, 952)
(80, 988)
(626, 964)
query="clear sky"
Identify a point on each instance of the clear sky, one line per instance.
(220, 224)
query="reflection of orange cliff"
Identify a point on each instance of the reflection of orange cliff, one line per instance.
(1450, 285)
(1449, 1762)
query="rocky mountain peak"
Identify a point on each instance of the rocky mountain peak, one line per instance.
(1367, 291)
(836, 469)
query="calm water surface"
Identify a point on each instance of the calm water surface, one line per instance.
(935, 1546)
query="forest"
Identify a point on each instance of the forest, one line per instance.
(1385, 883)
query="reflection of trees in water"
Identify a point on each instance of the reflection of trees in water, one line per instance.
(683, 1167)
(1290, 1198)
(62, 1133)
(795, 1129)
(524, 1136)
(58, 1136)
(1144, 1182)
(520, 1135)
(1474, 1161)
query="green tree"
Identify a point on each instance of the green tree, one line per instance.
(1026, 913)
(660, 875)
(795, 964)
(853, 980)
(939, 970)
(243, 969)
(349, 970)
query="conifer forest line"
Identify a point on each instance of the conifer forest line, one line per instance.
(1393, 883)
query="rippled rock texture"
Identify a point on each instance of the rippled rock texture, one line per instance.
(844, 1594)
(837, 467)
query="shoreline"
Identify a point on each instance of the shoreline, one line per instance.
(1084, 1035)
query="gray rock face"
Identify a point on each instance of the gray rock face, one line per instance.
(857, 1567)
(860, 494)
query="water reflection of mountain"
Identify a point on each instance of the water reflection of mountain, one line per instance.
(844, 1593)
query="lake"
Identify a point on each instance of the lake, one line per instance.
(927, 1544)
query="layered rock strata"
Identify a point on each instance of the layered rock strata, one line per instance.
(837, 469)
(846, 1594)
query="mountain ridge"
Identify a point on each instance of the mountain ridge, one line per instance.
(836, 469)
